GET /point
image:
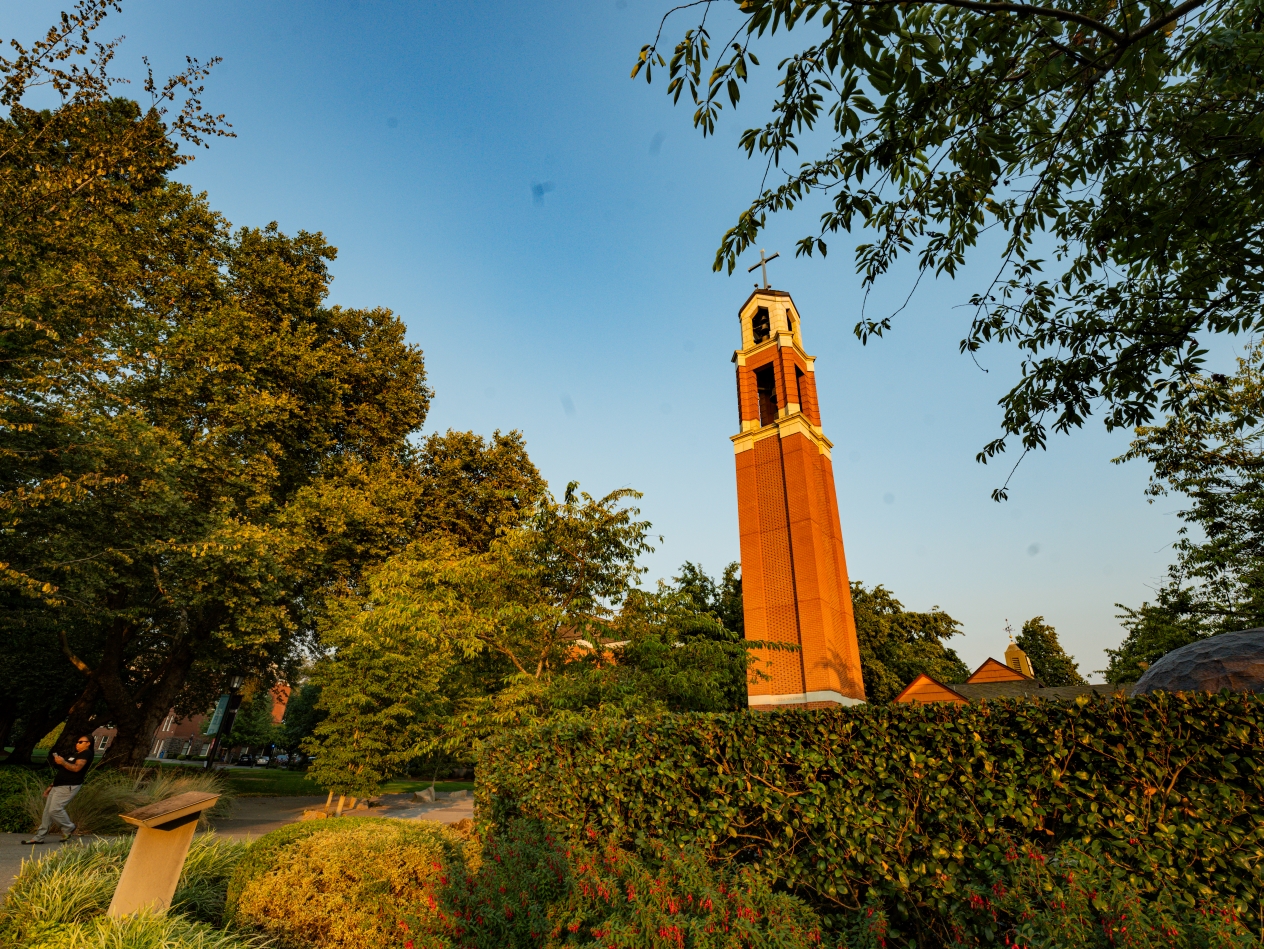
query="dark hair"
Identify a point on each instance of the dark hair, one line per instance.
(87, 738)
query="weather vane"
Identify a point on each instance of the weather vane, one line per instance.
(764, 262)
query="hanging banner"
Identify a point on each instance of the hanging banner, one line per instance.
(212, 727)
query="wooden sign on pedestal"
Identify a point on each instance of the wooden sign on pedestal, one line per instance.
(164, 832)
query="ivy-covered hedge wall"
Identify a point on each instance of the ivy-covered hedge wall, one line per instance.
(915, 807)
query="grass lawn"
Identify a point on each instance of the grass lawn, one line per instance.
(274, 782)
(406, 784)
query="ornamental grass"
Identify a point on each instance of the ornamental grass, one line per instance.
(65, 894)
(106, 794)
(145, 931)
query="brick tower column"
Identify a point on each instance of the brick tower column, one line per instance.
(794, 573)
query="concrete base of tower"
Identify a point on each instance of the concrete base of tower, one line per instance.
(824, 699)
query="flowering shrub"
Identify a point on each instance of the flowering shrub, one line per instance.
(1073, 897)
(673, 900)
(534, 890)
(508, 900)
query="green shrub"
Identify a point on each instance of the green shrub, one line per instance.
(105, 795)
(16, 785)
(75, 883)
(912, 806)
(345, 883)
(266, 852)
(532, 891)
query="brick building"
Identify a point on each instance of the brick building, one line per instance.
(175, 736)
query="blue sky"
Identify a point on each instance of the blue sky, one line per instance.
(545, 227)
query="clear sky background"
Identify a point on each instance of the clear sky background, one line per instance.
(545, 227)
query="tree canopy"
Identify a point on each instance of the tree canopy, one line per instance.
(253, 727)
(1116, 146)
(1209, 454)
(897, 645)
(446, 644)
(1049, 661)
(197, 449)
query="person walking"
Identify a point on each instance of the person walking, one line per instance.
(66, 784)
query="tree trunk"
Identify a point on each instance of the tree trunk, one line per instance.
(8, 715)
(82, 719)
(36, 723)
(137, 715)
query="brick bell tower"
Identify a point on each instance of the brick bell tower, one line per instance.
(794, 572)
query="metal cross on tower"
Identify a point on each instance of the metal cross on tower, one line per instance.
(764, 262)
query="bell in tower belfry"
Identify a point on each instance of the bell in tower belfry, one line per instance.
(794, 573)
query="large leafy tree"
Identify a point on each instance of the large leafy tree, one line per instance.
(301, 716)
(896, 644)
(197, 450)
(720, 599)
(473, 488)
(1049, 661)
(253, 727)
(677, 648)
(82, 189)
(419, 661)
(81, 195)
(240, 416)
(1209, 454)
(1151, 632)
(1116, 146)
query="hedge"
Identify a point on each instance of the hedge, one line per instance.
(915, 807)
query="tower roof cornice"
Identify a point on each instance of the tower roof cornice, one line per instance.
(761, 292)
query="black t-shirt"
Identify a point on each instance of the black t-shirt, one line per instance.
(64, 775)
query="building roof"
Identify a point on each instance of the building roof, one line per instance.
(925, 689)
(993, 670)
(1032, 689)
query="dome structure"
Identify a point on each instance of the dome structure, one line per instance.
(1233, 661)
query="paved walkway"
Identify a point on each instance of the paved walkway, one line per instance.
(253, 817)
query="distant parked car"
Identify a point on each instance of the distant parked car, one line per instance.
(262, 761)
(283, 760)
(245, 760)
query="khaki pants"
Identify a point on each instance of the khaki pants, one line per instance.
(55, 811)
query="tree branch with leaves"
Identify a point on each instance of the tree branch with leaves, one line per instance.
(1117, 146)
